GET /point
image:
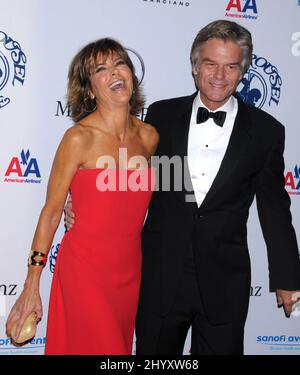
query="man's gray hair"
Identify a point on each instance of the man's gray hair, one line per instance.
(226, 31)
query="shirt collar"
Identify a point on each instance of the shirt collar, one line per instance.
(227, 107)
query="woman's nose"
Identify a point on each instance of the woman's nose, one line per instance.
(114, 71)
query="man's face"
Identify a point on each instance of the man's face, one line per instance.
(218, 72)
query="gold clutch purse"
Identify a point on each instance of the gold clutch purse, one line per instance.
(28, 330)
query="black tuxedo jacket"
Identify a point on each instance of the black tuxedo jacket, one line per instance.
(252, 166)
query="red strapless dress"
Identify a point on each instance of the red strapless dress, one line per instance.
(96, 281)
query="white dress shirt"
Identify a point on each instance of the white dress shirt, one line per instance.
(207, 143)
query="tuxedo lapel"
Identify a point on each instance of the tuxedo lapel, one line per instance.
(240, 136)
(179, 146)
(181, 128)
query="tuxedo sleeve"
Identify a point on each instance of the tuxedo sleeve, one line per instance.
(273, 205)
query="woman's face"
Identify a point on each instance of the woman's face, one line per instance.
(111, 81)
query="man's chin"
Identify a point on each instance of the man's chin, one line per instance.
(217, 101)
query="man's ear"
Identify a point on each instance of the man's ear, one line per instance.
(195, 70)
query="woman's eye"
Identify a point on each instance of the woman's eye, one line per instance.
(99, 69)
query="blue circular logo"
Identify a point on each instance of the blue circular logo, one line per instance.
(12, 65)
(261, 84)
(4, 71)
(253, 89)
(52, 256)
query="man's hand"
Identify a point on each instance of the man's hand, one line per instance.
(69, 214)
(287, 298)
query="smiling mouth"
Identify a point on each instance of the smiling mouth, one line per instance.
(117, 85)
(218, 85)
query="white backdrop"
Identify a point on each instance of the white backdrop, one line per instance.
(38, 39)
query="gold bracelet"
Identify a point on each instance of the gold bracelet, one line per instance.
(41, 261)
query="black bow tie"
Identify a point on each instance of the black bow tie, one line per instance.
(203, 115)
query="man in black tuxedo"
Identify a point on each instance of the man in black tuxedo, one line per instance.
(196, 266)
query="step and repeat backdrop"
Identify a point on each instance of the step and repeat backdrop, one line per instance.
(38, 39)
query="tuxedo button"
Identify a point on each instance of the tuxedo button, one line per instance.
(198, 216)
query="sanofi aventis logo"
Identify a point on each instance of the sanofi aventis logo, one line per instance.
(280, 342)
(33, 347)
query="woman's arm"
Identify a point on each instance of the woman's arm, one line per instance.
(67, 160)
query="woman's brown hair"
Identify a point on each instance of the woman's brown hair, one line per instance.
(79, 85)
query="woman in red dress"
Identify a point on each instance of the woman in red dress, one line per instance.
(96, 281)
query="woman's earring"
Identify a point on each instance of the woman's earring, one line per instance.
(89, 105)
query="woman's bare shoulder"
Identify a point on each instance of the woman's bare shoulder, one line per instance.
(77, 135)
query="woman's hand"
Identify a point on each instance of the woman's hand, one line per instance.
(69, 214)
(28, 302)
